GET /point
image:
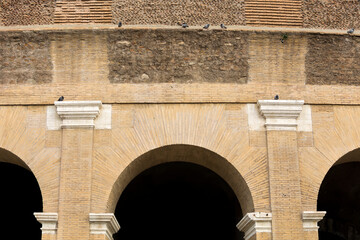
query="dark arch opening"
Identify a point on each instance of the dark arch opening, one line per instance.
(339, 196)
(178, 200)
(20, 198)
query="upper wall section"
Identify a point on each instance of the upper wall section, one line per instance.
(339, 14)
(26, 12)
(329, 14)
(177, 65)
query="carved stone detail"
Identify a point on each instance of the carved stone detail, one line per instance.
(281, 114)
(78, 114)
(311, 218)
(255, 222)
(48, 222)
(103, 223)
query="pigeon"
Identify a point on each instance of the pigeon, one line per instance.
(61, 98)
(184, 25)
(284, 37)
(276, 97)
(223, 26)
(120, 24)
(206, 26)
(350, 31)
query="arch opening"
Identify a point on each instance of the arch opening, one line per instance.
(20, 198)
(178, 200)
(339, 196)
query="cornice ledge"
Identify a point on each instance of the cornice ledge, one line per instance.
(48, 221)
(78, 114)
(281, 114)
(103, 223)
(311, 218)
(255, 222)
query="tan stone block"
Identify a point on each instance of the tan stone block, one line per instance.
(305, 139)
(257, 138)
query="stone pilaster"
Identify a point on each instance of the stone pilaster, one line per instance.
(104, 224)
(49, 224)
(310, 220)
(284, 176)
(256, 225)
(76, 165)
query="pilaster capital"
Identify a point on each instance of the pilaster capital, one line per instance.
(281, 114)
(311, 218)
(78, 114)
(103, 223)
(255, 222)
(48, 222)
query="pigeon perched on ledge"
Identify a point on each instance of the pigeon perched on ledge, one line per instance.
(61, 98)
(206, 26)
(184, 25)
(350, 31)
(223, 26)
(276, 97)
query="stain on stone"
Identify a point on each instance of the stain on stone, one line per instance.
(25, 58)
(333, 60)
(166, 55)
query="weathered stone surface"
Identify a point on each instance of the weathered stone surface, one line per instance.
(25, 57)
(171, 12)
(170, 55)
(26, 12)
(333, 60)
(340, 14)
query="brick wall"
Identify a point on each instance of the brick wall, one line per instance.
(340, 14)
(26, 12)
(170, 12)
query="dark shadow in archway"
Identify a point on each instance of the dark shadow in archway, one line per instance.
(20, 198)
(178, 200)
(339, 196)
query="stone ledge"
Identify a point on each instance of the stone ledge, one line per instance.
(103, 223)
(255, 222)
(311, 218)
(281, 114)
(78, 114)
(48, 222)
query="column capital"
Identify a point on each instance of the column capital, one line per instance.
(255, 222)
(311, 218)
(48, 222)
(103, 223)
(78, 114)
(281, 114)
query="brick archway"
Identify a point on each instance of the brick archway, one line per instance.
(184, 153)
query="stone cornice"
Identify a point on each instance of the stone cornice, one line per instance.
(48, 222)
(311, 218)
(281, 114)
(255, 222)
(103, 223)
(78, 114)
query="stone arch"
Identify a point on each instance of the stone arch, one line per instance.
(184, 153)
(22, 197)
(338, 195)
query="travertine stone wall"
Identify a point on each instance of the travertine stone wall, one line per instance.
(26, 12)
(333, 60)
(139, 56)
(25, 58)
(171, 12)
(339, 14)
